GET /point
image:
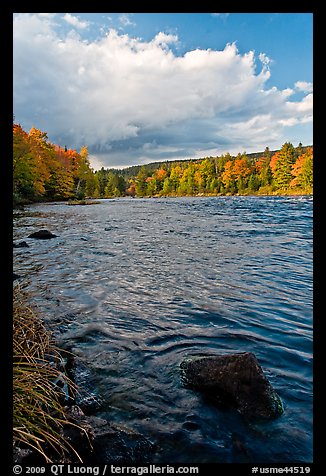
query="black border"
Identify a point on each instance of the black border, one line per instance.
(6, 205)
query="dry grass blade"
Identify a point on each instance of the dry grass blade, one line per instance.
(38, 412)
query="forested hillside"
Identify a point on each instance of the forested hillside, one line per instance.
(43, 171)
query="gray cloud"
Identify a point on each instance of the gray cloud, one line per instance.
(133, 101)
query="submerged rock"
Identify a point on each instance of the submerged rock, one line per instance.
(21, 244)
(86, 398)
(237, 379)
(42, 235)
(99, 441)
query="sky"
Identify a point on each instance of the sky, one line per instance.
(146, 87)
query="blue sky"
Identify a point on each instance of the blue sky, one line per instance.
(145, 87)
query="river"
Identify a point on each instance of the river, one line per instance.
(137, 285)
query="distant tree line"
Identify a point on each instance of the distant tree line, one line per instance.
(45, 171)
(286, 171)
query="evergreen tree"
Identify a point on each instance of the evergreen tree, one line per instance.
(141, 184)
(281, 165)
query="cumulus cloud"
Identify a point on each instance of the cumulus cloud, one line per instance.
(133, 101)
(304, 86)
(164, 39)
(75, 21)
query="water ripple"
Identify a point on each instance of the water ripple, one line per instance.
(134, 286)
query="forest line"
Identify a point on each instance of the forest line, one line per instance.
(43, 171)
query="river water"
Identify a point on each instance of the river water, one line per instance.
(136, 285)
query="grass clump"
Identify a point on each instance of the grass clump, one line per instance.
(38, 411)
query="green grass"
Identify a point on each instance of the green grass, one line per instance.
(38, 411)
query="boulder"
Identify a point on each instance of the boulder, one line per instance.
(42, 235)
(237, 379)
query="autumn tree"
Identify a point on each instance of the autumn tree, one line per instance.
(43, 153)
(60, 184)
(228, 177)
(131, 190)
(281, 166)
(263, 170)
(43, 170)
(241, 171)
(23, 168)
(302, 170)
(160, 175)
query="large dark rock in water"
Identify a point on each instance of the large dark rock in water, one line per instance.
(237, 379)
(42, 235)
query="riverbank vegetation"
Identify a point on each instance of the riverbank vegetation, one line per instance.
(38, 411)
(43, 171)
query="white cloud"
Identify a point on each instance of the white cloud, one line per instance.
(47, 15)
(305, 106)
(304, 86)
(119, 93)
(291, 121)
(264, 59)
(75, 21)
(125, 20)
(164, 39)
(287, 92)
(221, 15)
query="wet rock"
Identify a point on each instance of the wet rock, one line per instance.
(42, 235)
(22, 244)
(103, 442)
(86, 397)
(15, 276)
(237, 379)
(120, 444)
